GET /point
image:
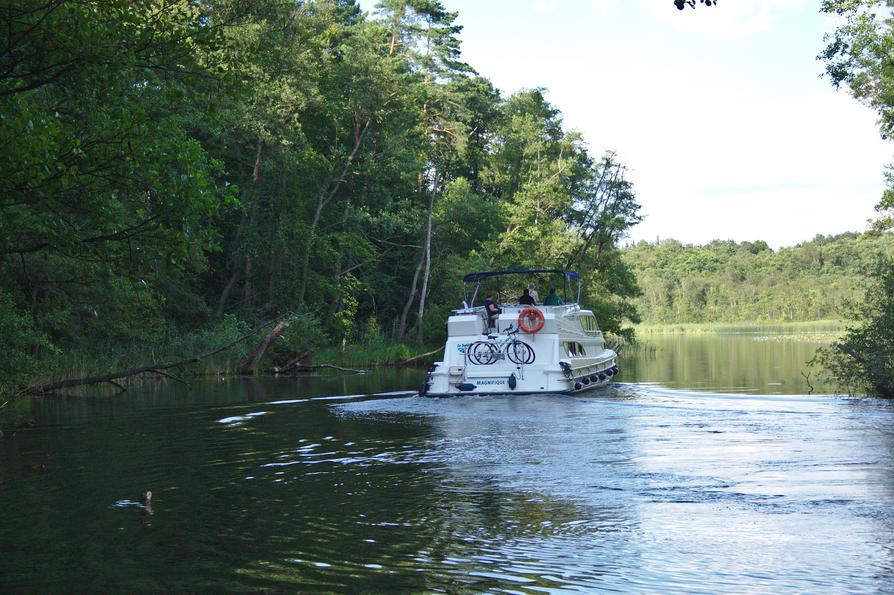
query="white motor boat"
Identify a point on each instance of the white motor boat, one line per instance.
(525, 349)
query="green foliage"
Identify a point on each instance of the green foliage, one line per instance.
(304, 335)
(179, 167)
(366, 354)
(858, 56)
(732, 282)
(19, 339)
(862, 361)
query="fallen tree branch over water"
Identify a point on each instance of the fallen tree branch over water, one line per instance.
(249, 363)
(49, 388)
(315, 367)
(289, 366)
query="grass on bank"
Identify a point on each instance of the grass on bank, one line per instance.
(94, 360)
(370, 354)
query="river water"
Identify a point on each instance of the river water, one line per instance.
(670, 481)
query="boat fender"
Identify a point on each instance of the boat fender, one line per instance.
(601, 376)
(531, 320)
(466, 386)
(609, 372)
(615, 369)
(577, 386)
(595, 377)
(585, 380)
(432, 367)
(423, 389)
(512, 381)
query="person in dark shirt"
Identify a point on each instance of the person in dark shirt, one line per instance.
(526, 298)
(491, 309)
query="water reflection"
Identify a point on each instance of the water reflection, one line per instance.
(735, 362)
(325, 485)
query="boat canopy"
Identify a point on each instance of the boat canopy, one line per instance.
(478, 277)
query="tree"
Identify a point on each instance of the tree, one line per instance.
(104, 190)
(863, 359)
(858, 56)
(424, 34)
(558, 207)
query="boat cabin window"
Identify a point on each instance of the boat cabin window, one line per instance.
(588, 321)
(573, 349)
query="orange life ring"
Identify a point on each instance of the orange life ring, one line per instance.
(530, 320)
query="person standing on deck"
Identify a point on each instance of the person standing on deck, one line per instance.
(534, 294)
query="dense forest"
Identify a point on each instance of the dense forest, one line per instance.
(175, 172)
(727, 281)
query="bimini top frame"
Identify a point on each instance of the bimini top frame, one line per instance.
(477, 278)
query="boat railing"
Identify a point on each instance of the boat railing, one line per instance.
(562, 310)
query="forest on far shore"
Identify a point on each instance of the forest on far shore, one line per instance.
(727, 281)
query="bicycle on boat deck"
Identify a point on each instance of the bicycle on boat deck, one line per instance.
(485, 353)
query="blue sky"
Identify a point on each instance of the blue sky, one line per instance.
(720, 113)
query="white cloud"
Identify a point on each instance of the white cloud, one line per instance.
(731, 18)
(546, 6)
(604, 6)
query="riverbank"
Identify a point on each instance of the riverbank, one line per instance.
(219, 350)
(305, 346)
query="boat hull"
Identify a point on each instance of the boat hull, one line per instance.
(583, 390)
(508, 378)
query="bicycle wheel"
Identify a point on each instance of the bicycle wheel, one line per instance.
(520, 352)
(482, 353)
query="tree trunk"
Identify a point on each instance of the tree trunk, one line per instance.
(247, 289)
(324, 198)
(247, 286)
(426, 250)
(249, 363)
(395, 28)
(225, 294)
(402, 326)
(273, 273)
(238, 261)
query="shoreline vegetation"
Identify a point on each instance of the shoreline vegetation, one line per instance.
(222, 354)
(228, 359)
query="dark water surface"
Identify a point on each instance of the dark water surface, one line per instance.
(324, 485)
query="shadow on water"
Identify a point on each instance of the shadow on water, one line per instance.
(351, 483)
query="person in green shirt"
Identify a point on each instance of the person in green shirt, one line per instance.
(553, 299)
